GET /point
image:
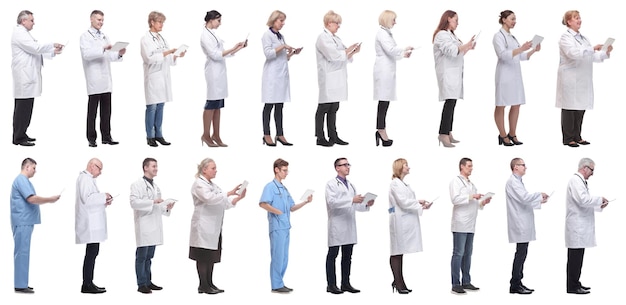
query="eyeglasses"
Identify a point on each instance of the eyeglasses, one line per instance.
(591, 169)
(345, 164)
(521, 164)
(96, 165)
(335, 22)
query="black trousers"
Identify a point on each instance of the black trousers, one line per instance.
(571, 125)
(104, 100)
(91, 252)
(518, 265)
(278, 118)
(328, 110)
(22, 113)
(381, 115)
(574, 267)
(447, 117)
(346, 262)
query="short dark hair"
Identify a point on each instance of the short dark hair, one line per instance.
(280, 163)
(514, 162)
(147, 161)
(211, 15)
(28, 161)
(464, 161)
(339, 160)
(96, 12)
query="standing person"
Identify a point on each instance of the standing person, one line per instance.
(148, 207)
(205, 239)
(279, 204)
(449, 53)
(95, 49)
(509, 84)
(157, 59)
(404, 222)
(387, 53)
(275, 86)
(332, 78)
(574, 87)
(91, 220)
(466, 202)
(342, 201)
(27, 60)
(25, 215)
(216, 77)
(521, 221)
(580, 224)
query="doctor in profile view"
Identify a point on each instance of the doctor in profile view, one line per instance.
(26, 64)
(342, 201)
(148, 209)
(157, 58)
(91, 220)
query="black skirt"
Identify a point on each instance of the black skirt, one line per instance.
(207, 255)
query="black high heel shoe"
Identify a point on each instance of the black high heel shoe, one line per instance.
(514, 139)
(277, 139)
(268, 144)
(501, 141)
(400, 291)
(380, 138)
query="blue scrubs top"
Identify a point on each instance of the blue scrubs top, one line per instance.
(23, 212)
(276, 195)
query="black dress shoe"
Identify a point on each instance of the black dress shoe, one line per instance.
(152, 286)
(152, 142)
(30, 139)
(102, 288)
(519, 290)
(209, 290)
(323, 142)
(349, 288)
(579, 291)
(25, 290)
(162, 141)
(25, 143)
(93, 144)
(288, 288)
(338, 141)
(586, 288)
(215, 288)
(144, 289)
(470, 287)
(524, 286)
(110, 142)
(333, 290)
(91, 289)
(281, 290)
(581, 142)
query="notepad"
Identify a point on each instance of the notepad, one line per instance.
(368, 197)
(609, 41)
(181, 49)
(118, 46)
(485, 197)
(536, 40)
(306, 194)
(244, 185)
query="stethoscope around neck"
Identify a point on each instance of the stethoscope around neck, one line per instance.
(506, 42)
(158, 40)
(150, 190)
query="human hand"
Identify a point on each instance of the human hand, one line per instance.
(358, 199)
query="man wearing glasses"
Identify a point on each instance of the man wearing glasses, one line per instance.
(91, 220)
(580, 223)
(342, 201)
(521, 221)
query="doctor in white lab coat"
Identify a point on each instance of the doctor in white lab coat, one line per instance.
(387, 53)
(27, 60)
(509, 84)
(332, 78)
(157, 59)
(205, 238)
(91, 220)
(216, 77)
(148, 209)
(342, 201)
(449, 52)
(574, 87)
(95, 49)
(404, 222)
(520, 206)
(580, 227)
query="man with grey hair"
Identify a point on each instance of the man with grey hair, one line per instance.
(580, 223)
(96, 51)
(27, 61)
(521, 221)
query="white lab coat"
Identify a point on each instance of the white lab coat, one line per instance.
(97, 61)
(580, 226)
(332, 68)
(209, 202)
(91, 217)
(465, 208)
(147, 214)
(387, 53)
(574, 87)
(156, 69)
(215, 66)
(27, 62)
(341, 212)
(448, 65)
(519, 210)
(509, 84)
(404, 219)
(275, 86)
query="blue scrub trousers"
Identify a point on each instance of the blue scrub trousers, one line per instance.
(21, 254)
(279, 247)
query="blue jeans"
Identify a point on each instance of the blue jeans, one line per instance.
(143, 261)
(279, 247)
(21, 254)
(154, 120)
(461, 257)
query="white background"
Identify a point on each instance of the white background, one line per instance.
(61, 152)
